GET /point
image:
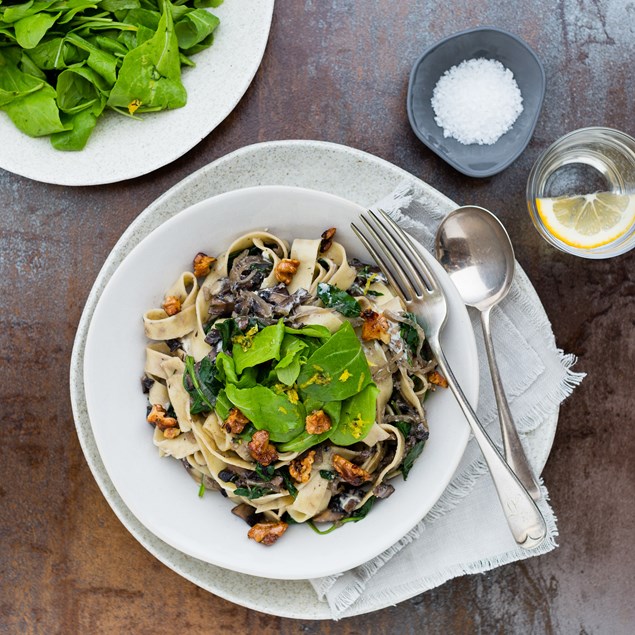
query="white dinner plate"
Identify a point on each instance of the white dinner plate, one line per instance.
(356, 175)
(122, 148)
(159, 492)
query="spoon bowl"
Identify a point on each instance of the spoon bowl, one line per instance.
(475, 250)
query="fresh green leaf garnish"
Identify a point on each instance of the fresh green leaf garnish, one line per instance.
(304, 441)
(223, 405)
(310, 330)
(357, 417)
(337, 299)
(291, 350)
(49, 49)
(327, 474)
(264, 346)
(268, 411)
(201, 490)
(337, 370)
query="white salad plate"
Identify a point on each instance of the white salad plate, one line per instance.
(346, 172)
(123, 148)
(159, 492)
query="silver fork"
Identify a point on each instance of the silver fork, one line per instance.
(401, 261)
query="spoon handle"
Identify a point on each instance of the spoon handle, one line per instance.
(514, 452)
(526, 522)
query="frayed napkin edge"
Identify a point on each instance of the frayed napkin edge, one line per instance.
(351, 597)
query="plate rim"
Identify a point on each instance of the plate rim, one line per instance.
(160, 207)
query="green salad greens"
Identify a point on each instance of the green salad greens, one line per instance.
(277, 375)
(64, 62)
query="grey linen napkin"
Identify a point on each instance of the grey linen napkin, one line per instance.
(466, 531)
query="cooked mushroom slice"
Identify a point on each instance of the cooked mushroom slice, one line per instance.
(248, 514)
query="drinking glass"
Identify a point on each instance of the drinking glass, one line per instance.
(583, 162)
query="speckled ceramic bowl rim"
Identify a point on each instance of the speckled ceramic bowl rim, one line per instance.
(415, 128)
(242, 589)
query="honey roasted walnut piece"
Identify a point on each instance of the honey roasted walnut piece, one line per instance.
(375, 327)
(267, 533)
(171, 433)
(286, 269)
(202, 264)
(159, 418)
(172, 305)
(436, 378)
(350, 472)
(235, 422)
(260, 448)
(300, 468)
(317, 422)
(327, 239)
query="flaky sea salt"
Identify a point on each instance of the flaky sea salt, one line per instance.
(477, 101)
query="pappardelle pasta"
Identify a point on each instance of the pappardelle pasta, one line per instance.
(290, 379)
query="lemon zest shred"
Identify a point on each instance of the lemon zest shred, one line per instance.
(133, 106)
(245, 341)
(370, 281)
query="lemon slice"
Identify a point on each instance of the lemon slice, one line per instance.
(589, 220)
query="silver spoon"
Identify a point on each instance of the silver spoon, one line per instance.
(475, 250)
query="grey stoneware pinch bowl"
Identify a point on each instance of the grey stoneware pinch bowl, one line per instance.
(491, 43)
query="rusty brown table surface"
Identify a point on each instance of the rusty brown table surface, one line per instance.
(67, 565)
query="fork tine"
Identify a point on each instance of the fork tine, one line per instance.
(425, 271)
(397, 270)
(383, 264)
(402, 251)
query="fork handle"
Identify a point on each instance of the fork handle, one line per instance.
(514, 452)
(523, 516)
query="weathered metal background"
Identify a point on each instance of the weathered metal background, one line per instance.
(335, 70)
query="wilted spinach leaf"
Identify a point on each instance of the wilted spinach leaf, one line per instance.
(288, 481)
(409, 333)
(266, 473)
(252, 492)
(337, 299)
(411, 457)
(202, 383)
(403, 427)
(356, 516)
(227, 329)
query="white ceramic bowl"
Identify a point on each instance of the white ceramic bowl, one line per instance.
(158, 491)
